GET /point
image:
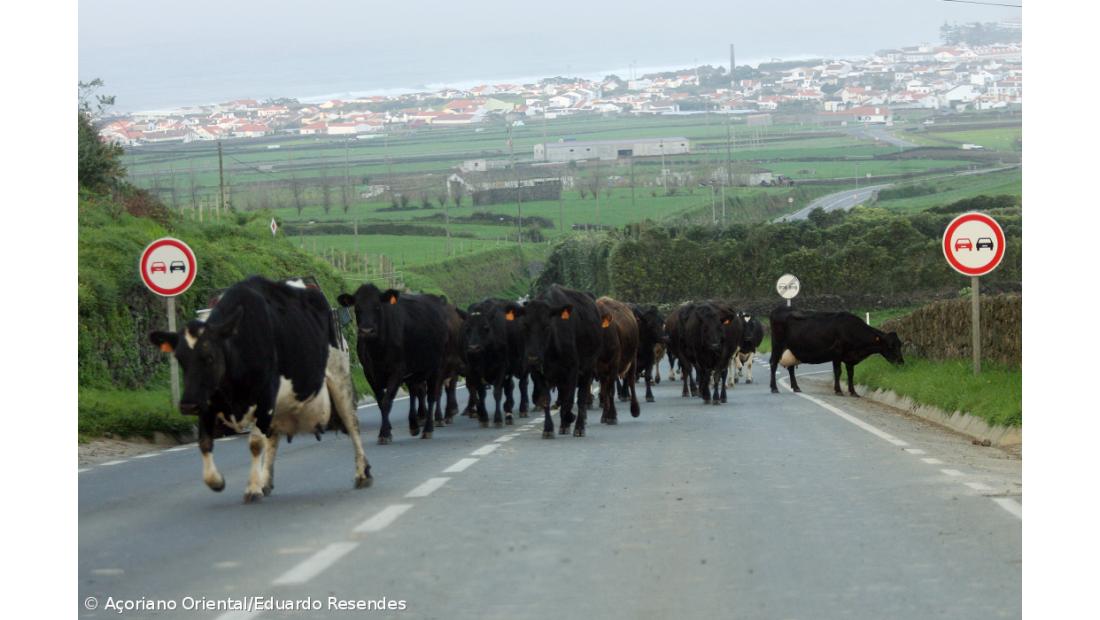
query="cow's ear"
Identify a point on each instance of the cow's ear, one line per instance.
(562, 311)
(228, 326)
(346, 300)
(166, 341)
(462, 314)
(605, 321)
(390, 296)
(514, 310)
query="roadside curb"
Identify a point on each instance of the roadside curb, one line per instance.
(959, 421)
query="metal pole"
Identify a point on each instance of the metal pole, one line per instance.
(975, 323)
(221, 182)
(173, 365)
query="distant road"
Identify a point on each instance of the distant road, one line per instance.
(841, 200)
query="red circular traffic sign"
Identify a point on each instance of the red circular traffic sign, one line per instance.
(973, 244)
(168, 267)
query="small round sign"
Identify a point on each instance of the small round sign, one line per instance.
(167, 267)
(787, 286)
(973, 244)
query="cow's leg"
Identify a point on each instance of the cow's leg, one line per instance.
(434, 394)
(702, 381)
(257, 474)
(385, 432)
(657, 377)
(452, 399)
(523, 403)
(722, 382)
(632, 379)
(498, 386)
(607, 401)
(685, 393)
(748, 365)
(568, 391)
(345, 410)
(624, 391)
(471, 400)
(582, 412)
(509, 394)
(772, 367)
(738, 367)
(270, 450)
(794, 382)
(210, 474)
(541, 398)
(482, 410)
(850, 368)
(836, 377)
(648, 383)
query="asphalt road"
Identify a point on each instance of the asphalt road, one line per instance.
(879, 133)
(770, 506)
(840, 200)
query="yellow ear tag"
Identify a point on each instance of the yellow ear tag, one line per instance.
(393, 300)
(726, 322)
(565, 315)
(167, 348)
(509, 316)
(606, 322)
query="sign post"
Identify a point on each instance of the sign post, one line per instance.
(168, 267)
(787, 286)
(974, 244)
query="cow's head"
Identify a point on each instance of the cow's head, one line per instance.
(369, 305)
(712, 326)
(889, 345)
(484, 327)
(545, 326)
(204, 354)
(651, 326)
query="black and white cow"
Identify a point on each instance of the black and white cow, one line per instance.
(751, 337)
(816, 337)
(268, 358)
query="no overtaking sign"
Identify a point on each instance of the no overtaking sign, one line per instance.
(167, 267)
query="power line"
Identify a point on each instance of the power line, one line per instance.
(1018, 6)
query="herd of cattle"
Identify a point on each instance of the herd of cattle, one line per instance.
(270, 357)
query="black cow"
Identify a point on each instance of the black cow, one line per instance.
(816, 337)
(518, 372)
(651, 341)
(674, 331)
(268, 357)
(710, 337)
(485, 342)
(402, 339)
(752, 336)
(562, 336)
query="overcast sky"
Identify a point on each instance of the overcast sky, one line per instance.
(160, 53)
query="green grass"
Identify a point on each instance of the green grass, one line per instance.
(403, 250)
(949, 190)
(995, 395)
(995, 139)
(841, 169)
(129, 413)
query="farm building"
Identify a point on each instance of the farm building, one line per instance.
(611, 149)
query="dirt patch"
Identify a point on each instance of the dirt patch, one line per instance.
(101, 450)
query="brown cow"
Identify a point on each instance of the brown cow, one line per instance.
(618, 355)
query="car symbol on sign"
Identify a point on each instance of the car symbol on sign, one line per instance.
(962, 243)
(178, 265)
(158, 266)
(985, 242)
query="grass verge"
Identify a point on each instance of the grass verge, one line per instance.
(996, 395)
(128, 413)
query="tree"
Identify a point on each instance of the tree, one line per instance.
(99, 163)
(326, 190)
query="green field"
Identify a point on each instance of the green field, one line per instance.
(951, 189)
(995, 139)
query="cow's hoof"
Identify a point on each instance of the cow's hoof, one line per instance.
(722, 400)
(267, 489)
(650, 399)
(217, 486)
(775, 390)
(555, 407)
(578, 432)
(564, 430)
(657, 381)
(797, 389)
(382, 441)
(362, 482)
(736, 380)
(853, 394)
(414, 430)
(748, 381)
(522, 413)
(426, 435)
(609, 421)
(547, 434)
(252, 497)
(449, 420)
(508, 421)
(483, 423)
(498, 424)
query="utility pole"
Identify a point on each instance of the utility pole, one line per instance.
(519, 190)
(221, 180)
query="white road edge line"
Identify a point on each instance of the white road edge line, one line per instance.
(147, 455)
(109, 463)
(952, 472)
(915, 451)
(382, 519)
(80, 471)
(1011, 505)
(315, 564)
(850, 418)
(977, 486)
(485, 450)
(427, 488)
(460, 466)
(932, 461)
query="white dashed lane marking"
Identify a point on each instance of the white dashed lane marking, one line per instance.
(382, 519)
(431, 485)
(460, 466)
(932, 461)
(952, 472)
(1011, 505)
(977, 486)
(315, 564)
(916, 451)
(485, 450)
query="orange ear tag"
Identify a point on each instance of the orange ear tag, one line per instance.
(726, 322)
(167, 348)
(393, 300)
(509, 316)
(565, 315)
(606, 322)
